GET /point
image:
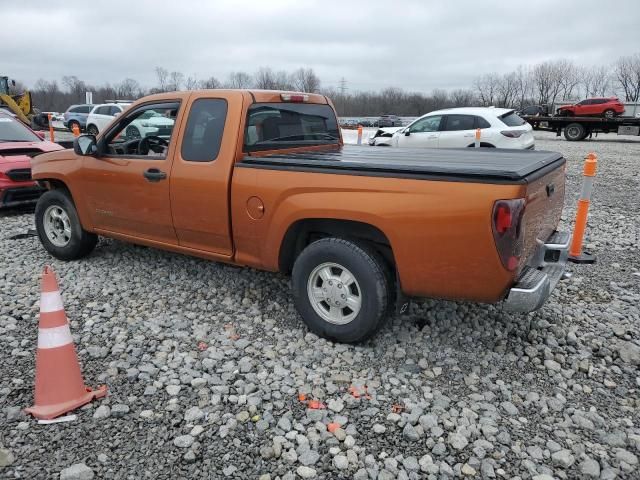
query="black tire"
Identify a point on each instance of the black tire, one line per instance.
(373, 279)
(132, 132)
(609, 113)
(80, 243)
(575, 132)
(92, 130)
(71, 124)
(482, 145)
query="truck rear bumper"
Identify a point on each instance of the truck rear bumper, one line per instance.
(538, 279)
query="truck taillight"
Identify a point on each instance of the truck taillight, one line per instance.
(288, 97)
(508, 231)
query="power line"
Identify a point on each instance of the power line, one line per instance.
(343, 86)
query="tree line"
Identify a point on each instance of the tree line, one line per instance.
(543, 83)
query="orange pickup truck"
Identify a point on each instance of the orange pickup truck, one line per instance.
(261, 178)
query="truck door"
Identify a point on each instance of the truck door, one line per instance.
(201, 172)
(422, 133)
(127, 184)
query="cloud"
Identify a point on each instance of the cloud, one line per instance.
(412, 44)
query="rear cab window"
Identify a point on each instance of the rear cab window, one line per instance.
(205, 126)
(272, 126)
(511, 119)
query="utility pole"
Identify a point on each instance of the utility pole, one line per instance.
(343, 86)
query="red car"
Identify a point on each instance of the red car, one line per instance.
(593, 107)
(18, 143)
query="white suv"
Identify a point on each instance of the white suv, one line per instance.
(456, 128)
(102, 115)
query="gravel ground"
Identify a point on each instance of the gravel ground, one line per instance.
(205, 362)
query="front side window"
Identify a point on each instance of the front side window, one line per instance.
(459, 122)
(428, 124)
(205, 126)
(144, 132)
(272, 126)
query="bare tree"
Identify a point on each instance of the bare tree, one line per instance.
(175, 81)
(211, 82)
(239, 80)
(548, 81)
(265, 79)
(569, 78)
(486, 87)
(462, 97)
(128, 89)
(627, 71)
(305, 80)
(596, 81)
(507, 90)
(192, 83)
(523, 85)
(163, 78)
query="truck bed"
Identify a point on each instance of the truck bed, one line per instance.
(485, 165)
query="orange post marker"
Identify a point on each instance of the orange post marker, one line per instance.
(76, 130)
(576, 254)
(51, 137)
(59, 384)
(359, 134)
(478, 134)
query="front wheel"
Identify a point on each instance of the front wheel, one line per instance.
(341, 289)
(92, 130)
(59, 228)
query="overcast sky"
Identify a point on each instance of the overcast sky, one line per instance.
(416, 45)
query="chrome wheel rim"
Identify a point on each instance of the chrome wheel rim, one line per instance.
(133, 133)
(57, 226)
(334, 293)
(608, 114)
(573, 132)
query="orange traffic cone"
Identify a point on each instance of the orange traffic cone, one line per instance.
(59, 384)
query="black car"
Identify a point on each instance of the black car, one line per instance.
(389, 121)
(532, 110)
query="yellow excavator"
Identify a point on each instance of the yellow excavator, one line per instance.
(19, 105)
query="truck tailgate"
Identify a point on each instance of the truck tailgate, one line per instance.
(544, 202)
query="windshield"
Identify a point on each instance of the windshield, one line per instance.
(273, 126)
(11, 130)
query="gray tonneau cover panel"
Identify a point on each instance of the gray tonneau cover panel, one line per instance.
(484, 163)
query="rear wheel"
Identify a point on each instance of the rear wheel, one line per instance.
(575, 132)
(609, 113)
(132, 133)
(341, 289)
(59, 228)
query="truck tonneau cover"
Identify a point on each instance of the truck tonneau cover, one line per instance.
(491, 165)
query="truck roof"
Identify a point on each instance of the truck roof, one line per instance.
(490, 165)
(260, 96)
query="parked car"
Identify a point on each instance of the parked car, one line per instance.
(77, 115)
(456, 127)
(101, 115)
(262, 179)
(389, 121)
(151, 122)
(383, 136)
(608, 107)
(18, 143)
(532, 110)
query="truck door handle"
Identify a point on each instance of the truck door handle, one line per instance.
(154, 175)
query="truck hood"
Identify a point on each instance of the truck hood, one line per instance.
(19, 154)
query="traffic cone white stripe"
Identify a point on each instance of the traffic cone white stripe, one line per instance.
(51, 302)
(54, 337)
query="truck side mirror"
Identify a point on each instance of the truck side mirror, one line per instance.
(85, 145)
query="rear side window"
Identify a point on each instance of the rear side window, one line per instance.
(511, 120)
(273, 126)
(482, 123)
(115, 110)
(84, 109)
(205, 126)
(459, 122)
